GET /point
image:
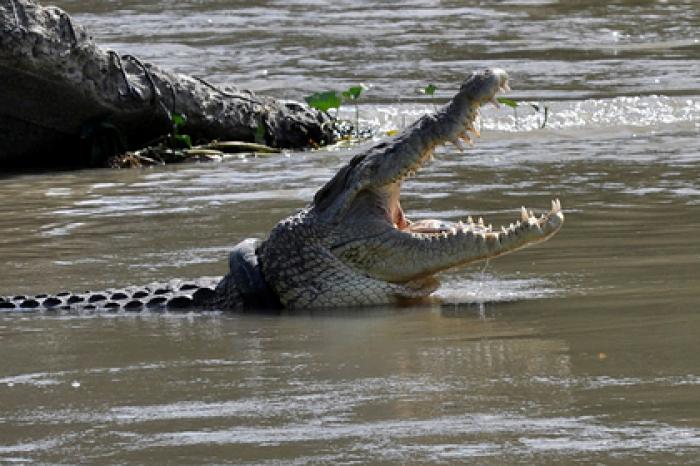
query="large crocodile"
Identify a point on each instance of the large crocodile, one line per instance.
(353, 245)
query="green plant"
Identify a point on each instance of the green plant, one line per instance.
(260, 132)
(178, 139)
(324, 101)
(514, 104)
(352, 94)
(430, 90)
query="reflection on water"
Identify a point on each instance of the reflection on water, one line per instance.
(526, 381)
(581, 349)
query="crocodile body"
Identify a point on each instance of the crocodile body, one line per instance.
(353, 245)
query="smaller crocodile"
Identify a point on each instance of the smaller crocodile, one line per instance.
(353, 245)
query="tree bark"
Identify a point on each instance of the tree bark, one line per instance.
(64, 101)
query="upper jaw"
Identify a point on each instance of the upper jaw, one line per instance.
(476, 92)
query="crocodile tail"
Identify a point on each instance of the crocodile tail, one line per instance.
(243, 287)
(175, 294)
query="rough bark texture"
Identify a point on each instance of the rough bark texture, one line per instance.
(65, 101)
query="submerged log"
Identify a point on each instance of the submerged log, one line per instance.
(64, 101)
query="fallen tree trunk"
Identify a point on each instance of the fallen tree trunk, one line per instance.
(64, 101)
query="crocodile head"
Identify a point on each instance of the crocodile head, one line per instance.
(359, 247)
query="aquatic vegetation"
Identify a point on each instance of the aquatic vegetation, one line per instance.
(178, 139)
(514, 104)
(429, 89)
(324, 101)
(352, 94)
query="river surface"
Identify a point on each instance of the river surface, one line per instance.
(585, 349)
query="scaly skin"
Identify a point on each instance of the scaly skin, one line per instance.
(352, 245)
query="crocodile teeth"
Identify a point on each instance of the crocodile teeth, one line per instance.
(481, 221)
(505, 86)
(523, 214)
(470, 220)
(556, 206)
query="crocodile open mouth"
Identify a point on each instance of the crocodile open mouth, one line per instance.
(527, 225)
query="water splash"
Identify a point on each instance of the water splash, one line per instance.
(627, 112)
(485, 288)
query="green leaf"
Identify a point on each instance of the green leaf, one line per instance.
(260, 133)
(430, 89)
(183, 139)
(178, 120)
(324, 101)
(509, 102)
(352, 93)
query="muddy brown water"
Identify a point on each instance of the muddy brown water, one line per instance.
(584, 349)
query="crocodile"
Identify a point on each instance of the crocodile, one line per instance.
(353, 245)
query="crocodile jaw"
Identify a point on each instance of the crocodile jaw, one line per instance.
(415, 250)
(353, 245)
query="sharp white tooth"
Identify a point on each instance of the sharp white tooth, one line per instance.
(531, 214)
(554, 206)
(511, 227)
(470, 220)
(517, 224)
(460, 224)
(505, 86)
(454, 231)
(523, 213)
(490, 228)
(558, 205)
(503, 230)
(481, 222)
